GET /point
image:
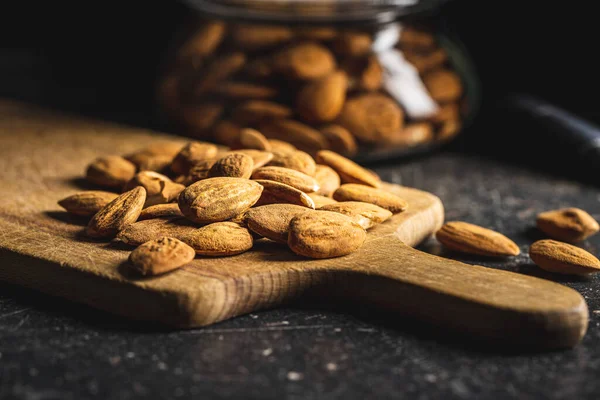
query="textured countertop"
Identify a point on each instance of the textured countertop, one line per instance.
(52, 349)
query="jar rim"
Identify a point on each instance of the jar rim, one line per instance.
(313, 11)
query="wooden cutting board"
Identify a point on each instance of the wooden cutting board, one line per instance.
(43, 156)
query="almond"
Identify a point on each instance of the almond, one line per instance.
(273, 221)
(259, 157)
(414, 38)
(425, 62)
(220, 239)
(300, 135)
(87, 203)
(204, 41)
(152, 229)
(148, 162)
(159, 256)
(110, 171)
(472, 239)
(371, 117)
(321, 201)
(235, 165)
(297, 160)
(279, 146)
(365, 214)
(218, 70)
(443, 85)
(295, 179)
(304, 61)
(244, 90)
(339, 139)
(328, 180)
(563, 258)
(170, 210)
(254, 112)
(413, 134)
(365, 73)
(198, 118)
(348, 170)
(322, 100)
(353, 44)
(199, 171)
(227, 133)
(118, 214)
(253, 139)
(324, 234)
(258, 37)
(191, 154)
(367, 194)
(218, 199)
(159, 188)
(277, 192)
(567, 224)
(317, 32)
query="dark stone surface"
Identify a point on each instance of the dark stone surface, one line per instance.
(52, 349)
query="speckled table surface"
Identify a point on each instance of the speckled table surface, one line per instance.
(52, 349)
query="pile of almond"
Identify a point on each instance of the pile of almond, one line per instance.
(174, 202)
(315, 87)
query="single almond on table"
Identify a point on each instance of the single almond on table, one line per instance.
(110, 171)
(472, 239)
(567, 224)
(371, 117)
(191, 154)
(365, 214)
(321, 201)
(328, 180)
(170, 210)
(218, 199)
(324, 234)
(307, 60)
(443, 85)
(563, 258)
(273, 220)
(348, 170)
(256, 37)
(297, 160)
(259, 157)
(157, 257)
(300, 135)
(244, 90)
(220, 239)
(322, 100)
(256, 111)
(368, 194)
(87, 203)
(118, 214)
(235, 165)
(159, 188)
(340, 139)
(152, 229)
(253, 139)
(295, 179)
(277, 192)
(280, 146)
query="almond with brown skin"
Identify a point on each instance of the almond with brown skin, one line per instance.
(413, 38)
(170, 210)
(110, 171)
(353, 44)
(244, 90)
(87, 203)
(280, 146)
(235, 165)
(152, 229)
(157, 257)
(254, 112)
(567, 224)
(365, 73)
(443, 85)
(367, 194)
(339, 139)
(413, 135)
(148, 162)
(295, 179)
(220, 239)
(118, 214)
(227, 133)
(297, 160)
(328, 180)
(199, 118)
(472, 239)
(191, 154)
(257, 37)
(199, 171)
(300, 135)
(159, 188)
(273, 221)
(321, 201)
(259, 157)
(304, 61)
(218, 70)
(348, 170)
(218, 199)
(427, 61)
(253, 139)
(365, 214)
(371, 117)
(324, 234)
(563, 258)
(322, 100)
(277, 192)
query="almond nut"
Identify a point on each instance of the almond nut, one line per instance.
(170, 210)
(157, 257)
(365, 214)
(328, 180)
(567, 224)
(348, 170)
(472, 239)
(110, 171)
(322, 100)
(191, 154)
(235, 165)
(277, 192)
(152, 229)
(273, 220)
(253, 139)
(87, 203)
(159, 188)
(288, 176)
(220, 239)
(297, 160)
(118, 214)
(367, 194)
(371, 117)
(563, 258)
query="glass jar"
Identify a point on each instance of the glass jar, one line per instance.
(369, 79)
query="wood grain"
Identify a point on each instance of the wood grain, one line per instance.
(43, 156)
